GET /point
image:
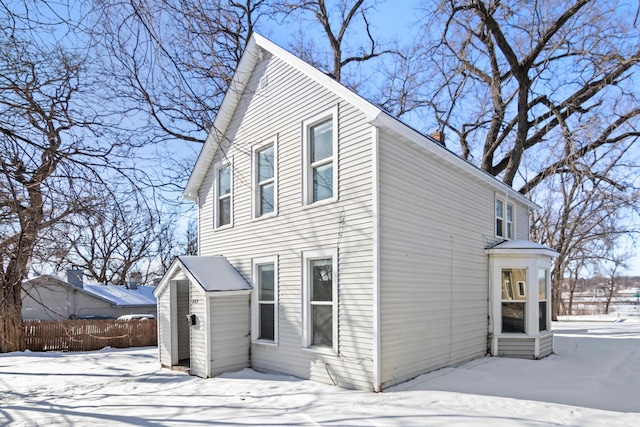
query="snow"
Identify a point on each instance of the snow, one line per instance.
(213, 273)
(593, 379)
(122, 296)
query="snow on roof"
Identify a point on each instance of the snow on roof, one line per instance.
(121, 295)
(518, 244)
(213, 273)
(521, 245)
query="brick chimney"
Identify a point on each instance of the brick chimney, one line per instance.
(438, 136)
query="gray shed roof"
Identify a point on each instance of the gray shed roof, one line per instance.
(213, 273)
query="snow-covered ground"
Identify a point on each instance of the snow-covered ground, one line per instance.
(592, 380)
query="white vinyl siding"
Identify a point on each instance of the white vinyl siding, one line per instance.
(229, 329)
(433, 272)
(164, 327)
(346, 225)
(522, 222)
(198, 332)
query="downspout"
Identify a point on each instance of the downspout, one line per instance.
(198, 223)
(377, 386)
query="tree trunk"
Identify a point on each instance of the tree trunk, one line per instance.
(11, 330)
(556, 291)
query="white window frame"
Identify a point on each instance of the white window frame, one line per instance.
(499, 231)
(307, 321)
(508, 227)
(508, 223)
(255, 300)
(255, 187)
(516, 297)
(307, 167)
(216, 196)
(547, 291)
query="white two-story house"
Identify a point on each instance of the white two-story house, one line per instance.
(338, 244)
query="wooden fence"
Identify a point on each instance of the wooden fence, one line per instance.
(86, 335)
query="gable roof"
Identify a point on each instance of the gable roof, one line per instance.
(213, 273)
(119, 296)
(373, 114)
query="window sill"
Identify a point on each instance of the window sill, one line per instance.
(320, 203)
(222, 228)
(513, 335)
(265, 216)
(265, 343)
(329, 351)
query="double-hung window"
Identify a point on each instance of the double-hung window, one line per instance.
(509, 223)
(224, 195)
(320, 147)
(265, 182)
(265, 300)
(320, 295)
(504, 219)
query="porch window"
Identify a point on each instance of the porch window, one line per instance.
(320, 295)
(265, 300)
(320, 157)
(514, 299)
(543, 277)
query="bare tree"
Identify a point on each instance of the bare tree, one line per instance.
(587, 215)
(611, 268)
(511, 81)
(115, 239)
(340, 23)
(171, 62)
(57, 144)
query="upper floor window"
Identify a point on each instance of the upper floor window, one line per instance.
(224, 196)
(265, 183)
(320, 157)
(509, 223)
(504, 219)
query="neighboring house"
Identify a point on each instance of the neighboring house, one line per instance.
(338, 244)
(49, 298)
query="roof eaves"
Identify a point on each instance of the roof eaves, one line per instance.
(388, 121)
